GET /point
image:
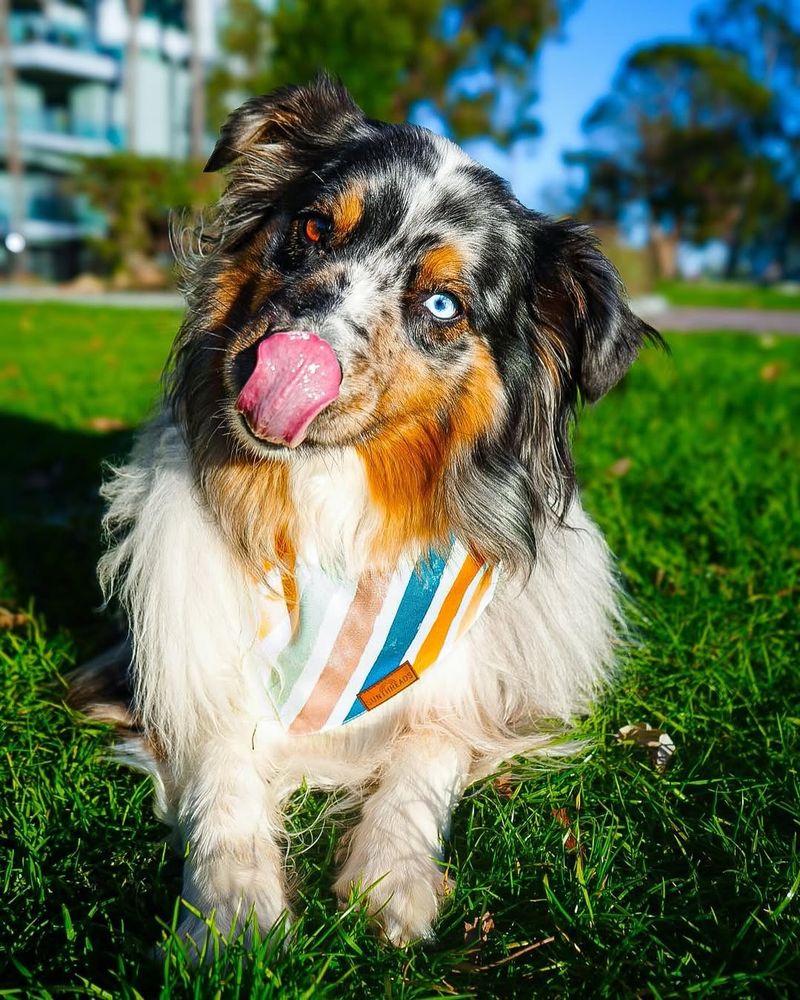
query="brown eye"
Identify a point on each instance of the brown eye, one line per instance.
(315, 227)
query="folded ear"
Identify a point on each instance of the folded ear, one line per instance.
(307, 118)
(579, 295)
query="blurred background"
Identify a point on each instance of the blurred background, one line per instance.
(673, 128)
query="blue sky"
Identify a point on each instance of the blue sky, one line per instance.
(574, 71)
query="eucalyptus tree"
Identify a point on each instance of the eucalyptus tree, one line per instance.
(470, 67)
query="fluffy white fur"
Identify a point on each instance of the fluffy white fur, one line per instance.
(538, 654)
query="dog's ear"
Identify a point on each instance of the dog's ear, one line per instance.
(579, 295)
(306, 118)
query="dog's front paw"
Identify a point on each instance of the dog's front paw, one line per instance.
(226, 901)
(199, 935)
(205, 936)
(403, 897)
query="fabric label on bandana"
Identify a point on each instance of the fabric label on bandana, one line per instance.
(345, 647)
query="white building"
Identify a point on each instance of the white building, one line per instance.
(69, 62)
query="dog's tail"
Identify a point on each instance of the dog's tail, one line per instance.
(102, 690)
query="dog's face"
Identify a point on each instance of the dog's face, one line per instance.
(370, 286)
(398, 252)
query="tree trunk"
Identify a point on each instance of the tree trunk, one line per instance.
(664, 248)
(16, 166)
(131, 71)
(735, 241)
(734, 255)
(197, 130)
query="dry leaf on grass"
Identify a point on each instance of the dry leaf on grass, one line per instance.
(503, 786)
(659, 743)
(771, 371)
(620, 468)
(447, 886)
(512, 956)
(561, 816)
(12, 619)
(477, 931)
(106, 424)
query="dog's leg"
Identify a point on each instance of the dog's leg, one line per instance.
(397, 846)
(230, 817)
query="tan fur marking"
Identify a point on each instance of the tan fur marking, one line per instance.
(576, 291)
(404, 460)
(253, 506)
(347, 211)
(479, 400)
(228, 285)
(441, 267)
(268, 284)
(406, 464)
(246, 267)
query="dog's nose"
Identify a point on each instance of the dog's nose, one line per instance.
(297, 374)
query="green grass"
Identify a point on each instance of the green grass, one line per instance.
(729, 294)
(674, 885)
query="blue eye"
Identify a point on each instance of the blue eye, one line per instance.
(442, 306)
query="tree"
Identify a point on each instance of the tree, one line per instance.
(766, 34)
(470, 64)
(685, 133)
(135, 195)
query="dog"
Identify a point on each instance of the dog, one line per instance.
(349, 546)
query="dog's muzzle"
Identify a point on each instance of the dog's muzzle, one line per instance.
(297, 374)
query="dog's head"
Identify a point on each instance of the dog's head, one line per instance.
(369, 286)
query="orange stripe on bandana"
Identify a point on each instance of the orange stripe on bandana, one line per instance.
(430, 649)
(474, 603)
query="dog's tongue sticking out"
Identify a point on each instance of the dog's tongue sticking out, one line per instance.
(296, 376)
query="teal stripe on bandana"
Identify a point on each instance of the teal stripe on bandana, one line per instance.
(414, 606)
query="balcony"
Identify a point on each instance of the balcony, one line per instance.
(42, 49)
(55, 131)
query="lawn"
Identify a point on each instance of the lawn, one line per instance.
(730, 294)
(602, 878)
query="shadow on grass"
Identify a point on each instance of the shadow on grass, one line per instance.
(50, 513)
(100, 861)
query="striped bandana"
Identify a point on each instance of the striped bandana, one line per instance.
(344, 647)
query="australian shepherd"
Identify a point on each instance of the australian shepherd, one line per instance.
(349, 546)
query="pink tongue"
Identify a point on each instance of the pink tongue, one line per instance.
(296, 376)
